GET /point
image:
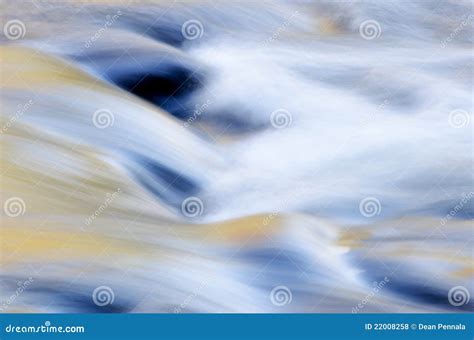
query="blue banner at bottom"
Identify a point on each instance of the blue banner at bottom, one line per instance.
(237, 326)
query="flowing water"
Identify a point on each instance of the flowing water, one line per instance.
(237, 157)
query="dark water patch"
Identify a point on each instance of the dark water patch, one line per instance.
(162, 76)
(428, 295)
(228, 122)
(407, 283)
(280, 265)
(169, 34)
(166, 86)
(54, 295)
(157, 23)
(169, 185)
(177, 181)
